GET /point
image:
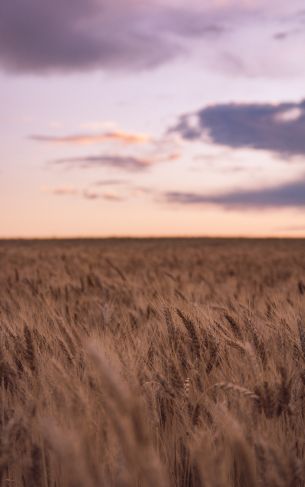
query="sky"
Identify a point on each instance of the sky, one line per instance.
(152, 118)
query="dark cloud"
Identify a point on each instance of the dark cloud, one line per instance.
(65, 35)
(74, 35)
(39, 36)
(279, 128)
(288, 195)
(126, 163)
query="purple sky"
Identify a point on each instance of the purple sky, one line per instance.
(165, 117)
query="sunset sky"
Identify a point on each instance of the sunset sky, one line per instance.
(148, 118)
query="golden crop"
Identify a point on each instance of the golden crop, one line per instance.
(130, 363)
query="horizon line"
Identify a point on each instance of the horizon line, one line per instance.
(154, 237)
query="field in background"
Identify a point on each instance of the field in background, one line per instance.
(154, 363)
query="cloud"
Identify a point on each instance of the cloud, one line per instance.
(64, 35)
(86, 139)
(60, 190)
(279, 128)
(109, 195)
(87, 194)
(286, 195)
(127, 163)
(111, 182)
(190, 22)
(123, 162)
(283, 35)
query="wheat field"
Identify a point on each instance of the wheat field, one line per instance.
(174, 362)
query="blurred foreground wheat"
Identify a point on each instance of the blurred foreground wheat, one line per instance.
(152, 363)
